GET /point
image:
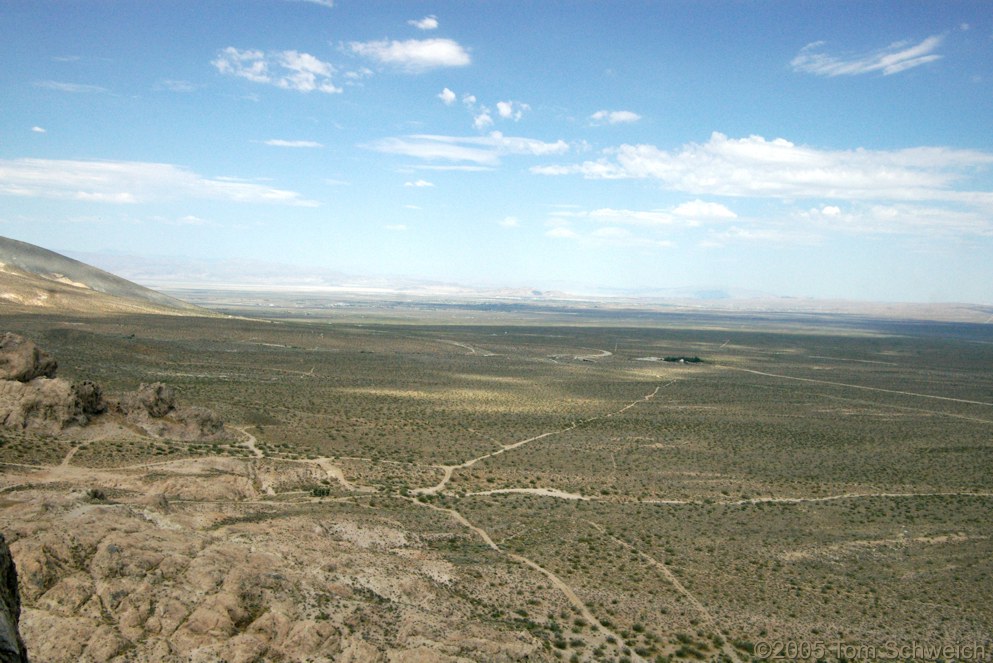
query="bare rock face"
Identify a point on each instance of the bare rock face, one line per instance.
(12, 648)
(153, 409)
(43, 405)
(157, 399)
(90, 398)
(22, 360)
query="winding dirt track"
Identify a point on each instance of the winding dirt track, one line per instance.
(250, 441)
(859, 386)
(448, 469)
(599, 635)
(674, 581)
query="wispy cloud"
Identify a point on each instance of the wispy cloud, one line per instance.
(893, 59)
(772, 234)
(323, 3)
(75, 88)
(276, 142)
(413, 55)
(645, 229)
(756, 167)
(420, 184)
(176, 85)
(480, 150)
(893, 219)
(509, 222)
(396, 227)
(129, 182)
(289, 70)
(614, 117)
(688, 214)
(606, 236)
(39, 130)
(426, 23)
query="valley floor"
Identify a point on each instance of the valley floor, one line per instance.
(440, 491)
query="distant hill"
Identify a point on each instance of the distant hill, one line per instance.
(36, 279)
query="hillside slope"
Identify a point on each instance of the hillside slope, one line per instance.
(36, 279)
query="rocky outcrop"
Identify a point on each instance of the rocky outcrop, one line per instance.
(12, 648)
(153, 409)
(23, 361)
(33, 399)
(42, 405)
(156, 400)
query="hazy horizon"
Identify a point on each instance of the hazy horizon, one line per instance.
(828, 151)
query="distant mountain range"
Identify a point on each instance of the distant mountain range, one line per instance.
(36, 279)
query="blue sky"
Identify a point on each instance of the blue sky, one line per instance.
(817, 149)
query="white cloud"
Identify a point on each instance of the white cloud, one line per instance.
(512, 110)
(358, 74)
(426, 23)
(606, 236)
(699, 209)
(396, 227)
(420, 184)
(39, 130)
(483, 121)
(447, 96)
(893, 59)
(480, 150)
(76, 88)
(276, 142)
(756, 167)
(509, 222)
(905, 219)
(414, 55)
(289, 70)
(483, 117)
(323, 3)
(129, 182)
(614, 117)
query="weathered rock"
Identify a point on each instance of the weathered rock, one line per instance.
(42, 405)
(90, 398)
(22, 360)
(12, 648)
(157, 399)
(199, 422)
(31, 398)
